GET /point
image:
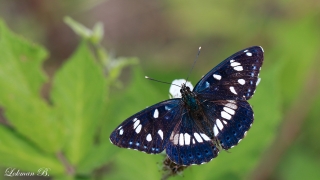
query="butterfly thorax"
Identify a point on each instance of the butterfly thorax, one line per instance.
(189, 99)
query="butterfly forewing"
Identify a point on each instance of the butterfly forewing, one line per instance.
(234, 78)
(148, 130)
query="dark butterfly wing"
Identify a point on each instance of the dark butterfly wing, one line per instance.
(231, 119)
(189, 145)
(148, 130)
(234, 78)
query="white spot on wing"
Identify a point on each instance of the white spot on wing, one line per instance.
(198, 138)
(187, 138)
(205, 137)
(238, 68)
(225, 122)
(235, 64)
(176, 139)
(245, 50)
(181, 139)
(193, 141)
(249, 54)
(225, 115)
(216, 76)
(119, 127)
(229, 110)
(233, 90)
(241, 81)
(121, 131)
(160, 133)
(156, 113)
(138, 129)
(215, 130)
(136, 124)
(232, 106)
(232, 60)
(258, 81)
(134, 120)
(149, 137)
(219, 124)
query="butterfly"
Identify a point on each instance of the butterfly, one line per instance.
(214, 115)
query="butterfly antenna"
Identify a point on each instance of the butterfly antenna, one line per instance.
(194, 62)
(160, 81)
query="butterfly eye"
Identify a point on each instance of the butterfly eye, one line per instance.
(188, 89)
(181, 91)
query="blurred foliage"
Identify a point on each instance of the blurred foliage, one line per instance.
(68, 131)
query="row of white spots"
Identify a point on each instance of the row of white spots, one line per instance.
(217, 77)
(248, 53)
(236, 65)
(218, 126)
(233, 90)
(156, 113)
(229, 110)
(185, 139)
(137, 126)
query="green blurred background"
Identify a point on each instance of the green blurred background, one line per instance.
(165, 36)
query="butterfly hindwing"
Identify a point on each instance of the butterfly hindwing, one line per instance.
(148, 130)
(234, 78)
(231, 119)
(189, 145)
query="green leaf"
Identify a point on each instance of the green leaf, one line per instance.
(79, 96)
(96, 157)
(21, 78)
(15, 152)
(78, 28)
